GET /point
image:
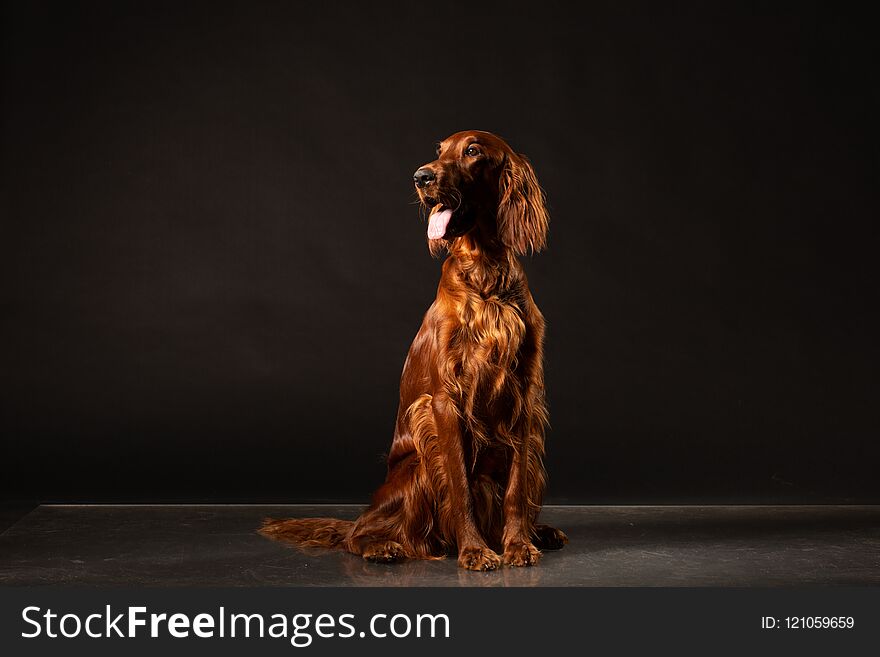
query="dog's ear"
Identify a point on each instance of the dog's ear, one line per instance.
(522, 210)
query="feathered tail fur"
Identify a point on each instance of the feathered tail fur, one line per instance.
(309, 532)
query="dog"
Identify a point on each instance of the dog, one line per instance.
(465, 468)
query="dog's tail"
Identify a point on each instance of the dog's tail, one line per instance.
(308, 532)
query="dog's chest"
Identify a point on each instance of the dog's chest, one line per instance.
(491, 329)
(485, 378)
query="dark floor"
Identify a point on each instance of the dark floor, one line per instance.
(610, 546)
(11, 511)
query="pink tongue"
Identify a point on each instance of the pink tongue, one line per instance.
(437, 222)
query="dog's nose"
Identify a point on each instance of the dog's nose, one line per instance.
(424, 177)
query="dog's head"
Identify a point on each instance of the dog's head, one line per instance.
(477, 180)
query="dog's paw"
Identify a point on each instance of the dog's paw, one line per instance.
(478, 558)
(521, 554)
(549, 538)
(384, 552)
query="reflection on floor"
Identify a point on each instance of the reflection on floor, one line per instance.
(194, 545)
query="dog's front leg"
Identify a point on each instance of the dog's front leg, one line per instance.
(449, 476)
(518, 511)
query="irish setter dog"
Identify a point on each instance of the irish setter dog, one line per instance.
(465, 470)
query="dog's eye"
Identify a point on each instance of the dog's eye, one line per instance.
(472, 151)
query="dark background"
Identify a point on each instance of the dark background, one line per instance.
(212, 266)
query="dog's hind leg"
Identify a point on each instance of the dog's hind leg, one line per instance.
(549, 538)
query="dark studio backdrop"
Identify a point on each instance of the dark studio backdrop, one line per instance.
(212, 264)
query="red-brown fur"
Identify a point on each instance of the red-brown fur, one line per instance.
(465, 470)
